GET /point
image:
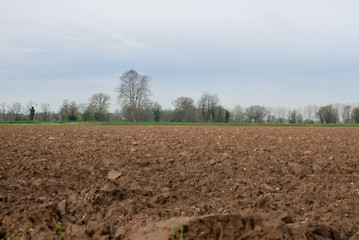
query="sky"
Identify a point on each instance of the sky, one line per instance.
(248, 52)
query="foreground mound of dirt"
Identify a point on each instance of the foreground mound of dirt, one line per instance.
(128, 182)
(225, 227)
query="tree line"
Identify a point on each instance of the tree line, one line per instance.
(136, 106)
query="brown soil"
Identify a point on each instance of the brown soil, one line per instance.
(146, 182)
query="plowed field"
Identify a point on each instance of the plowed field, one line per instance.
(146, 182)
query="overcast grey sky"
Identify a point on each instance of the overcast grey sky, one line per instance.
(267, 52)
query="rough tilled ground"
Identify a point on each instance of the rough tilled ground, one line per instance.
(146, 182)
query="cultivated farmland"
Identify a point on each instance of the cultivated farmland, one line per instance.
(148, 182)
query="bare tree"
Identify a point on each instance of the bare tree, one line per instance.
(300, 118)
(310, 112)
(184, 110)
(69, 111)
(133, 92)
(238, 114)
(206, 105)
(101, 102)
(295, 116)
(45, 109)
(256, 113)
(4, 108)
(346, 113)
(280, 115)
(82, 107)
(16, 108)
(88, 111)
(146, 112)
(64, 111)
(328, 114)
(271, 118)
(98, 107)
(73, 110)
(355, 115)
(272, 113)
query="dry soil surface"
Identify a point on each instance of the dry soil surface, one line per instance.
(148, 182)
